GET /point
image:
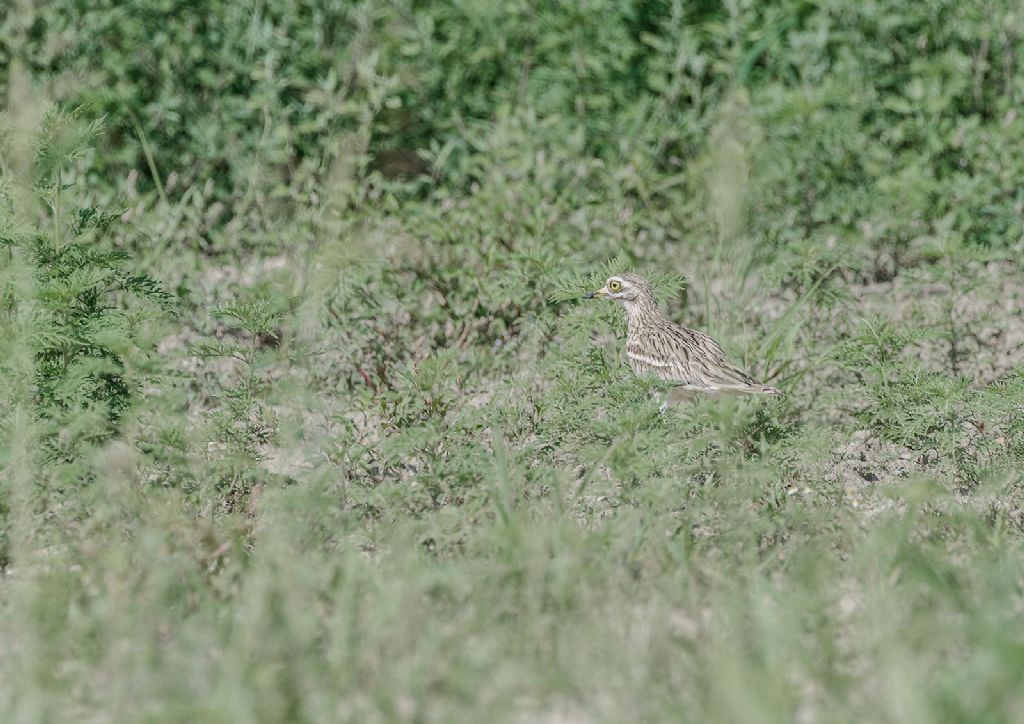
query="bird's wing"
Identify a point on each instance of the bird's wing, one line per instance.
(685, 357)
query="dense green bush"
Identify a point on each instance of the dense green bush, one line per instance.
(869, 121)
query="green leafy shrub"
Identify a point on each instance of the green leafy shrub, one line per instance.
(84, 329)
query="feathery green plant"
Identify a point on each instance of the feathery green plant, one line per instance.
(84, 331)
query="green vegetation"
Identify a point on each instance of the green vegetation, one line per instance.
(302, 417)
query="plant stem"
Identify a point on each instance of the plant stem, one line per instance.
(56, 212)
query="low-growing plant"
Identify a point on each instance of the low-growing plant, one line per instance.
(241, 425)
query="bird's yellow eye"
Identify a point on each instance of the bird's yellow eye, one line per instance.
(615, 285)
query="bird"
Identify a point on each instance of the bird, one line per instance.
(690, 360)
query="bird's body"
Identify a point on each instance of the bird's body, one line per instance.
(657, 347)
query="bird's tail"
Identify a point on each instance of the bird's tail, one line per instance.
(754, 388)
(685, 392)
(759, 389)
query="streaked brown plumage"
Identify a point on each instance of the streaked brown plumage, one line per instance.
(660, 348)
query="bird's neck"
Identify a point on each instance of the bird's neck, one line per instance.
(639, 313)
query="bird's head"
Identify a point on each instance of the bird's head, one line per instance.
(629, 290)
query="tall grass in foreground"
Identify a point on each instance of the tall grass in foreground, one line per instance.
(20, 430)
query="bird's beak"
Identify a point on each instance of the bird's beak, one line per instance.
(596, 295)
